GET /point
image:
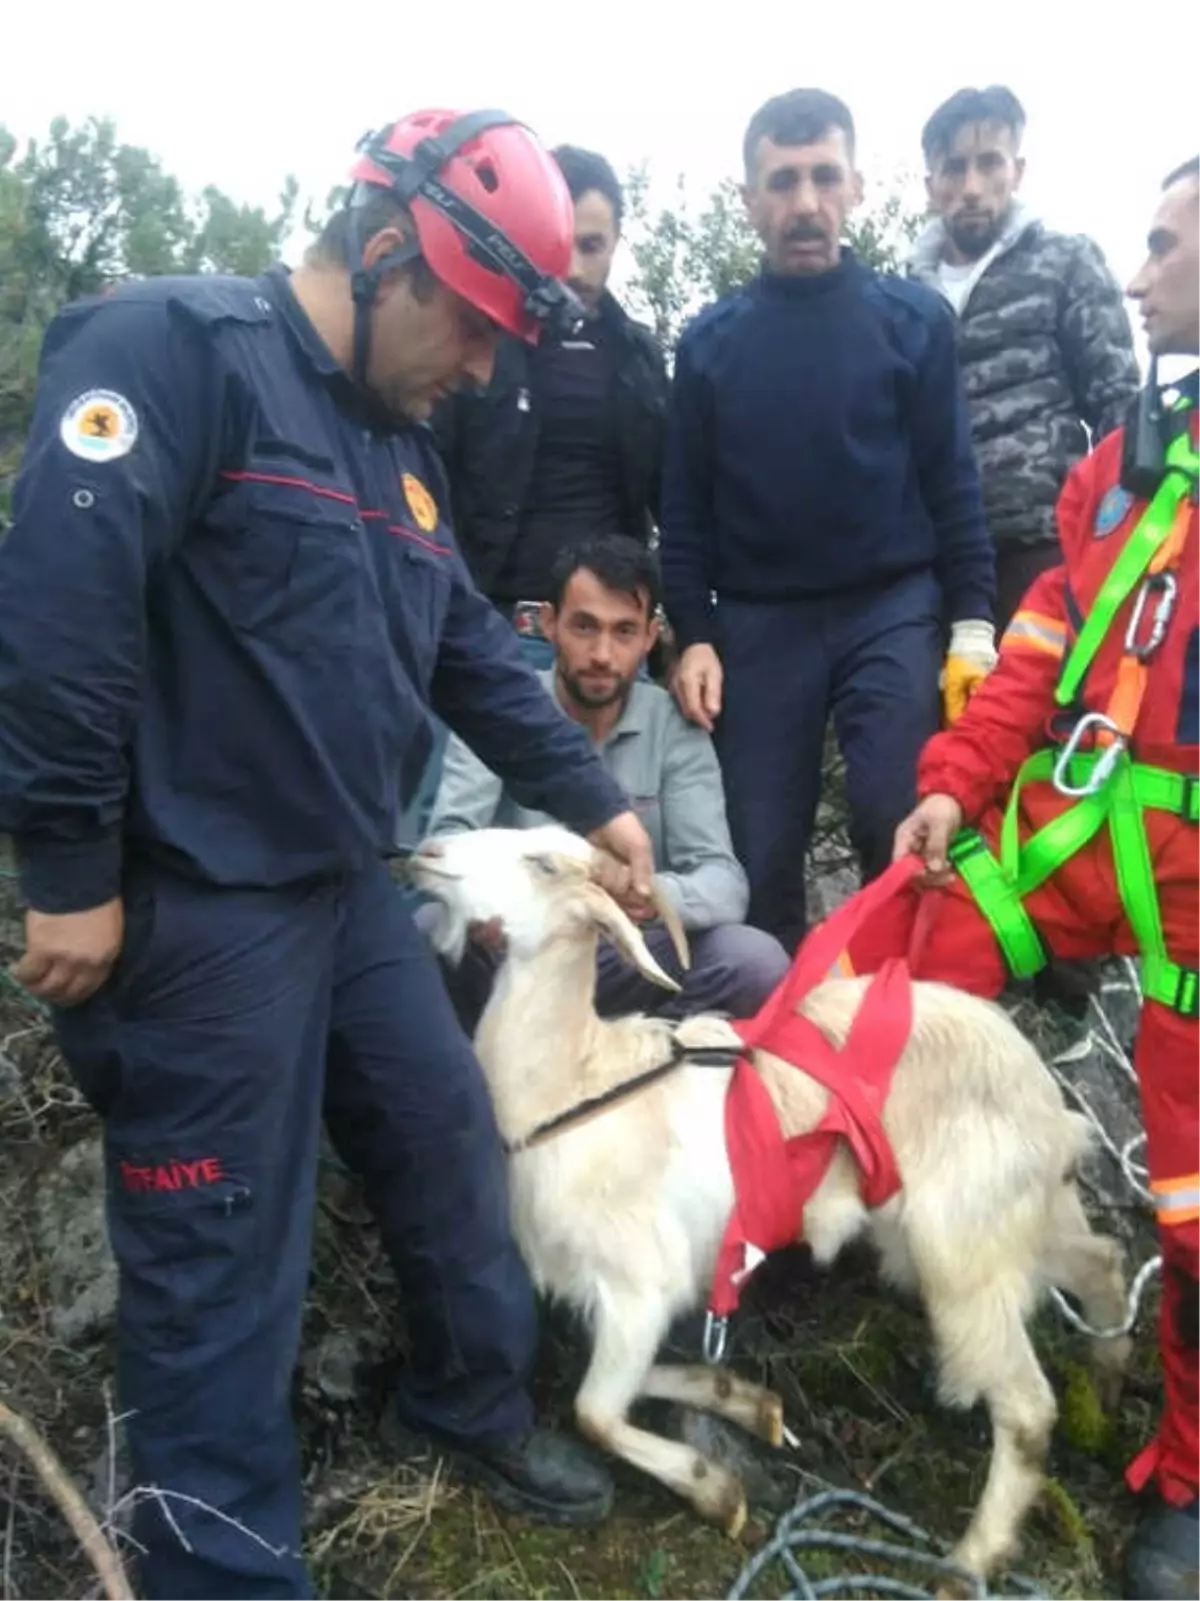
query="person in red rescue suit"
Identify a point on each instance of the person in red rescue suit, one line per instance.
(1121, 738)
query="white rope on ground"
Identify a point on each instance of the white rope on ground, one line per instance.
(1103, 1039)
(798, 1530)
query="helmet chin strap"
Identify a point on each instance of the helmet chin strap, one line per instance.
(407, 176)
(364, 287)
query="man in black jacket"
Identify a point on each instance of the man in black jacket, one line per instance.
(566, 442)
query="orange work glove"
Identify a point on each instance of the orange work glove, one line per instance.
(970, 658)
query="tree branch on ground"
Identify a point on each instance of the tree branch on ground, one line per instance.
(54, 1479)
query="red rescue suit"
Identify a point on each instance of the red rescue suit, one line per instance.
(1078, 911)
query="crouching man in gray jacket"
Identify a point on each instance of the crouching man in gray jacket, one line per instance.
(601, 619)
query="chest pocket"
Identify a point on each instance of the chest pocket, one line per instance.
(422, 578)
(287, 562)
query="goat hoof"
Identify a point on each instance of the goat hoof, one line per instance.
(1109, 1387)
(1109, 1367)
(769, 1424)
(966, 1556)
(718, 1496)
(737, 1518)
(953, 1588)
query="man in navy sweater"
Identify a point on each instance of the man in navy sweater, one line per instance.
(824, 548)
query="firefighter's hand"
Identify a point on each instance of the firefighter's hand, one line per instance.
(927, 832)
(698, 685)
(489, 936)
(970, 658)
(625, 838)
(616, 880)
(68, 955)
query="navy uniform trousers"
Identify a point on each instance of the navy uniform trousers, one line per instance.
(234, 1020)
(868, 658)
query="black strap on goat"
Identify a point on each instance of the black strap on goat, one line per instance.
(695, 1055)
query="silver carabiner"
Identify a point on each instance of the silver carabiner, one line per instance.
(1105, 761)
(1164, 587)
(716, 1333)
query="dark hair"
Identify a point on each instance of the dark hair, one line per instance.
(584, 170)
(967, 106)
(799, 117)
(1186, 169)
(335, 245)
(620, 563)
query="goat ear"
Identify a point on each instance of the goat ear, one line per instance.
(608, 917)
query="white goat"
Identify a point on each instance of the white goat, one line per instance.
(620, 1214)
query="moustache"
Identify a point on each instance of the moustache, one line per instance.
(804, 233)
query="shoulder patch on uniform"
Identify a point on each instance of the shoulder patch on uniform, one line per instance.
(1111, 511)
(99, 425)
(420, 502)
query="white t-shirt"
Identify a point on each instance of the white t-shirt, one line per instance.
(956, 282)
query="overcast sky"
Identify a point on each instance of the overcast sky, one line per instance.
(240, 94)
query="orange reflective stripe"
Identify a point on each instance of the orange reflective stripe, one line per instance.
(1177, 1200)
(1133, 674)
(1031, 630)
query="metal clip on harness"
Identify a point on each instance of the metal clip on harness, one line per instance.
(1099, 773)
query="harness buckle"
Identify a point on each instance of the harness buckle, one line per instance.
(1164, 589)
(1189, 806)
(716, 1335)
(1105, 761)
(1187, 993)
(966, 843)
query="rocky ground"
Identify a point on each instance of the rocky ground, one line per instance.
(850, 1361)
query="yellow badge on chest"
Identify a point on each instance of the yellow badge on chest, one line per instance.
(420, 502)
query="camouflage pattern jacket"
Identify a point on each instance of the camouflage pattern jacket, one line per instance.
(1045, 347)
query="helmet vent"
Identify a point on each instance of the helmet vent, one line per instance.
(486, 174)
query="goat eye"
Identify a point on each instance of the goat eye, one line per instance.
(544, 865)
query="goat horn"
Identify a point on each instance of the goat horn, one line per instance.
(661, 901)
(665, 907)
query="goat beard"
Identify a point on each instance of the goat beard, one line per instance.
(448, 934)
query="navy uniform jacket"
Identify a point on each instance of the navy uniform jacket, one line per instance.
(819, 443)
(228, 595)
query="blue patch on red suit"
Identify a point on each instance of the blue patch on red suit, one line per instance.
(1112, 511)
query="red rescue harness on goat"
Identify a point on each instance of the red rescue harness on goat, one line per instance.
(774, 1178)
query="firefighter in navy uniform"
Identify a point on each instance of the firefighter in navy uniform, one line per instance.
(229, 595)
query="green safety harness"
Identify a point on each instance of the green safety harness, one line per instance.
(1112, 787)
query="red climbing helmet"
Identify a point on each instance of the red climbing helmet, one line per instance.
(493, 215)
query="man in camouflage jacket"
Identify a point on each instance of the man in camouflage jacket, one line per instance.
(1044, 339)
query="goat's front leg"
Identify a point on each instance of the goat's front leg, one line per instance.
(626, 1335)
(713, 1389)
